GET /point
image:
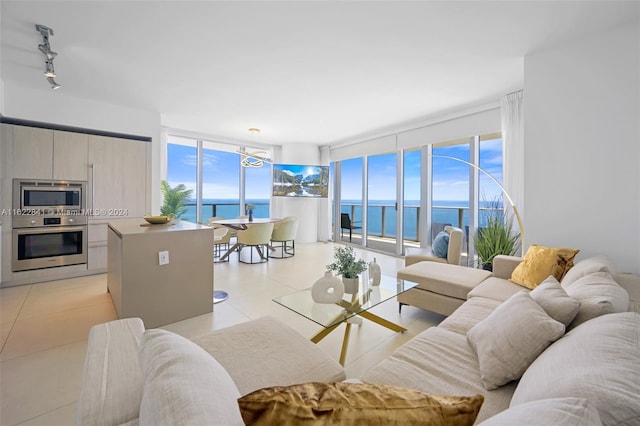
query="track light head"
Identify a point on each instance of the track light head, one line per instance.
(53, 83)
(49, 71)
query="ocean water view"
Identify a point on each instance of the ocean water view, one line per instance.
(381, 213)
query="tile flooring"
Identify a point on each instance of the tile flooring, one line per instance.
(43, 328)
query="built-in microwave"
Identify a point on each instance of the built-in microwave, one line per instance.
(43, 197)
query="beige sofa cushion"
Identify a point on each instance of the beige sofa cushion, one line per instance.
(510, 338)
(112, 377)
(495, 288)
(439, 361)
(183, 384)
(450, 280)
(556, 411)
(555, 301)
(267, 352)
(469, 314)
(588, 266)
(598, 294)
(568, 369)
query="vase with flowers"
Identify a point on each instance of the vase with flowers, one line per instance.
(249, 209)
(347, 265)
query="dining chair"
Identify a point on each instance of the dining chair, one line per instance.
(221, 238)
(256, 235)
(284, 233)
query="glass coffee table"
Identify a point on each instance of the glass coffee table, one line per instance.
(352, 306)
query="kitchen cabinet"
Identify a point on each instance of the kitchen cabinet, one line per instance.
(117, 189)
(118, 177)
(49, 154)
(32, 153)
(70, 155)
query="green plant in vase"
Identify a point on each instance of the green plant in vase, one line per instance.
(175, 199)
(346, 263)
(497, 238)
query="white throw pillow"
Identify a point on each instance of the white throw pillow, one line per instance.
(184, 385)
(557, 411)
(599, 361)
(587, 266)
(598, 294)
(510, 339)
(555, 301)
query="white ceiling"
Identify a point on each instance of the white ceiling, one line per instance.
(301, 71)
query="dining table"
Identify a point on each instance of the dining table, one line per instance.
(241, 224)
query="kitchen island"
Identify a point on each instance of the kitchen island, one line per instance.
(160, 294)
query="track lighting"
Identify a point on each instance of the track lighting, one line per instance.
(45, 48)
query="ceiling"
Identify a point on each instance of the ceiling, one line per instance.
(301, 71)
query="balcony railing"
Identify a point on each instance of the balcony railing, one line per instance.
(382, 219)
(224, 209)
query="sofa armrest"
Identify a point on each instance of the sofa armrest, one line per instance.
(503, 266)
(111, 388)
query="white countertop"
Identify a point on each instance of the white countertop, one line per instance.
(140, 226)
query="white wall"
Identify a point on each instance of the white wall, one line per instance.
(57, 107)
(305, 209)
(582, 146)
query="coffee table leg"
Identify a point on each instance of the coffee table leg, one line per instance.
(345, 344)
(383, 322)
(323, 333)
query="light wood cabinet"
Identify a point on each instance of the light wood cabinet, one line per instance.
(70, 156)
(32, 153)
(118, 177)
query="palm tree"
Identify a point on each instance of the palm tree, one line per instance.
(174, 199)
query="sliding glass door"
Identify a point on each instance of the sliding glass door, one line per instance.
(382, 202)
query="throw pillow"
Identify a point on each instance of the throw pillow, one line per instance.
(588, 266)
(510, 338)
(598, 361)
(556, 411)
(539, 262)
(184, 384)
(598, 294)
(440, 246)
(555, 301)
(355, 403)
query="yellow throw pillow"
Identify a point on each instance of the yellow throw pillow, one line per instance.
(540, 262)
(355, 404)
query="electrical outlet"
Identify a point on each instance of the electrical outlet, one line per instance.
(163, 257)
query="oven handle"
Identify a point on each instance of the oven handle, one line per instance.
(49, 230)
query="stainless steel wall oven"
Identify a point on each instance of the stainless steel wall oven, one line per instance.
(49, 224)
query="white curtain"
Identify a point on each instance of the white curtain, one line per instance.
(512, 113)
(324, 206)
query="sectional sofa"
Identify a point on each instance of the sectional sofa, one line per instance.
(564, 353)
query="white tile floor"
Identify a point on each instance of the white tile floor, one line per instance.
(43, 328)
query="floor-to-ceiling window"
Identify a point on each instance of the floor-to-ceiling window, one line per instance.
(382, 201)
(220, 182)
(449, 187)
(412, 195)
(182, 158)
(226, 185)
(446, 173)
(351, 198)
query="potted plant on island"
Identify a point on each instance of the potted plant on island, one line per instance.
(497, 238)
(174, 199)
(349, 267)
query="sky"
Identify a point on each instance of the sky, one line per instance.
(221, 172)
